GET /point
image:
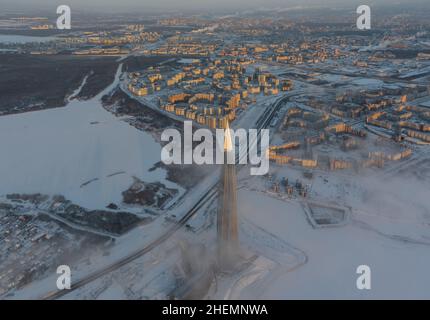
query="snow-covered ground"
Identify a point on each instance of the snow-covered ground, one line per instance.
(398, 262)
(56, 151)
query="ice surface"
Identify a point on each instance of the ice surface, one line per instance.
(56, 151)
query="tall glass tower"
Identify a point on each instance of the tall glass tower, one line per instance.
(227, 225)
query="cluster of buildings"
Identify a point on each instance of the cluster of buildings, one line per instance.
(26, 242)
(102, 51)
(35, 242)
(42, 27)
(363, 103)
(295, 53)
(403, 121)
(319, 129)
(290, 188)
(194, 50)
(207, 91)
(287, 52)
(128, 34)
(374, 159)
(387, 110)
(118, 42)
(276, 154)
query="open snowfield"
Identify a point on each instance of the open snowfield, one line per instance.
(399, 266)
(57, 151)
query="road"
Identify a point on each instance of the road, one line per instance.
(262, 122)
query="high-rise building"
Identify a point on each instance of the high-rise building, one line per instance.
(227, 221)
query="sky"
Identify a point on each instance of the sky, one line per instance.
(224, 7)
(183, 5)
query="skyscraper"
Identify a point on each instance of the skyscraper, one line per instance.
(227, 225)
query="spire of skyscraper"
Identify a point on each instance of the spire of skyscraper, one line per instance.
(227, 224)
(228, 144)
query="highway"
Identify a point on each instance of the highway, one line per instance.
(262, 123)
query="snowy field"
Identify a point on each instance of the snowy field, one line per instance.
(399, 265)
(58, 151)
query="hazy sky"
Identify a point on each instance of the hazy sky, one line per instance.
(184, 5)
